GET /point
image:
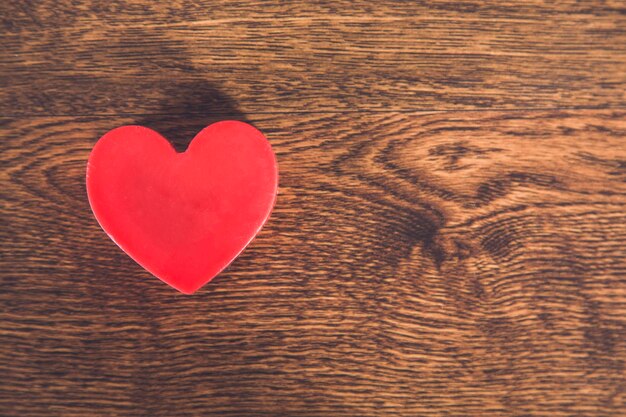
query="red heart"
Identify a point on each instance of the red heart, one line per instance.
(183, 216)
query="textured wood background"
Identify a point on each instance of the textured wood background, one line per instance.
(449, 238)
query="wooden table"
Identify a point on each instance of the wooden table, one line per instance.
(449, 238)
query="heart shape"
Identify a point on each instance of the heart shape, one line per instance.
(186, 216)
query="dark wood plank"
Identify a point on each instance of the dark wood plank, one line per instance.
(455, 263)
(45, 14)
(86, 57)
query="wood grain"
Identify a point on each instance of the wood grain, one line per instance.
(421, 264)
(295, 58)
(449, 237)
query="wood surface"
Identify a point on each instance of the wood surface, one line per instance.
(449, 237)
